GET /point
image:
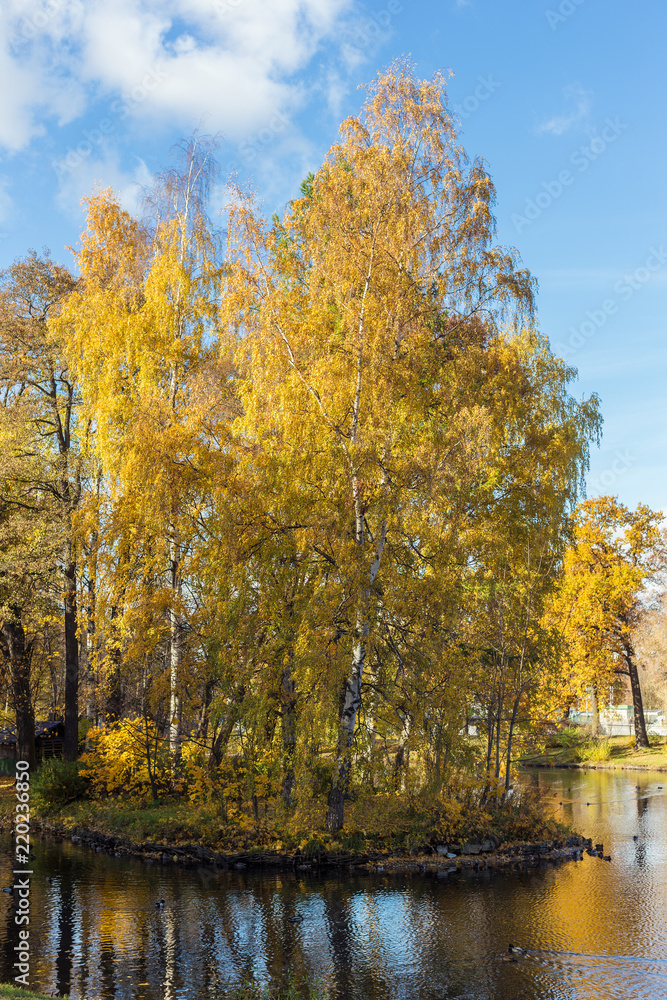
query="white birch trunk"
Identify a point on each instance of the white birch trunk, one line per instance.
(175, 658)
(352, 699)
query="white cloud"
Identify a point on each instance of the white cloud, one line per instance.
(580, 101)
(120, 43)
(336, 90)
(19, 92)
(99, 172)
(37, 67)
(234, 61)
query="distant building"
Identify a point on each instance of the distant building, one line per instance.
(49, 737)
(620, 721)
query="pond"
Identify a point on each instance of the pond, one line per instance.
(591, 929)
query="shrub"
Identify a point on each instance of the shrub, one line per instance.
(594, 751)
(313, 847)
(321, 773)
(57, 783)
(119, 758)
(567, 737)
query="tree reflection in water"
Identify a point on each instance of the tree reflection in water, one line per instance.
(591, 928)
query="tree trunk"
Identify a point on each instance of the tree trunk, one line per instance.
(288, 713)
(399, 761)
(204, 715)
(641, 736)
(112, 687)
(71, 741)
(55, 708)
(402, 758)
(151, 757)
(510, 737)
(348, 719)
(595, 721)
(174, 694)
(175, 658)
(500, 702)
(112, 669)
(18, 652)
(222, 737)
(90, 687)
(88, 647)
(490, 736)
(352, 700)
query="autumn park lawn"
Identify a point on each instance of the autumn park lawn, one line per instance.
(610, 752)
(11, 993)
(247, 991)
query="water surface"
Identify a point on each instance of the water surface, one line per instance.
(592, 930)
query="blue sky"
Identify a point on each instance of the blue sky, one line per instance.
(564, 99)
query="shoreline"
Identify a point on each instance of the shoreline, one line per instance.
(442, 861)
(579, 751)
(9, 992)
(603, 765)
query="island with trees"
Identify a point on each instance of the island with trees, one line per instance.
(292, 527)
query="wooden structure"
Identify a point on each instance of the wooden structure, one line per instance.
(49, 737)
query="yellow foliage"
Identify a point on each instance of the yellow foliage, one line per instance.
(598, 604)
(323, 464)
(120, 757)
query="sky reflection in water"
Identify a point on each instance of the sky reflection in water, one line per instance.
(592, 930)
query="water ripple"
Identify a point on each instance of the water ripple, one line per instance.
(591, 930)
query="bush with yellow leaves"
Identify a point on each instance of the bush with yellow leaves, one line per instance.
(233, 785)
(129, 758)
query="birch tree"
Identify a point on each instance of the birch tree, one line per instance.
(356, 308)
(36, 378)
(141, 332)
(536, 466)
(598, 605)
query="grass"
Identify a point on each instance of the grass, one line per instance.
(389, 824)
(12, 993)
(607, 751)
(594, 751)
(242, 991)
